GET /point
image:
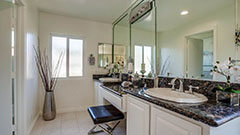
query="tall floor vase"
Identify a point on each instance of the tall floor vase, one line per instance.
(49, 108)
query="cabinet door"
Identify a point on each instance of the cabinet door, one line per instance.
(163, 123)
(100, 97)
(96, 85)
(137, 117)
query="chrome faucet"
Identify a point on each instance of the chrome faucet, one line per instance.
(156, 82)
(191, 88)
(180, 85)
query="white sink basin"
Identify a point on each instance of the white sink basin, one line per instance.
(109, 79)
(179, 97)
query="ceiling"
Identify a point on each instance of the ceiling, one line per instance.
(97, 10)
(169, 11)
(109, 10)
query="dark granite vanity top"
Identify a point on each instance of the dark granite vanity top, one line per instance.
(211, 113)
(115, 88)
(96, 77)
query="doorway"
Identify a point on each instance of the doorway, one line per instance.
(200, 55)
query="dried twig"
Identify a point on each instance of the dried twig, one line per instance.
(48, 75)
(165, 66)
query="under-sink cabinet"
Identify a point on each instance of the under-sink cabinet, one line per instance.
(163, 123)
(137, 117)
(145, 118)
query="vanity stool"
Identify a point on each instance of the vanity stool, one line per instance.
(102, 115)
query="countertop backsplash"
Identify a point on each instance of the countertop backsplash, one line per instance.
(206, 87)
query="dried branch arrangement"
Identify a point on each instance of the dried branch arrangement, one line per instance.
(48, 75)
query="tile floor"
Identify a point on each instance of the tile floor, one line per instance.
(76, 123)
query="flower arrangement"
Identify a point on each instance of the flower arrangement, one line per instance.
(114, 68)
(229, 69)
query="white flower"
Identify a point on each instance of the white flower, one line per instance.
(235, 70)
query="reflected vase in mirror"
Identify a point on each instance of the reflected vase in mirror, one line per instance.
(49, 108)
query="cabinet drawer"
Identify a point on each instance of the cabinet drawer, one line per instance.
(112, 98)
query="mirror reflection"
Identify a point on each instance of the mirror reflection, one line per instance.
(200, 55)
(105, 54)
(192, 38)
(179, 38)
(143, 39)
(136, 30)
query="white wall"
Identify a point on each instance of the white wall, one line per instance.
(195, 62)
(27, 74)
(31, 85)
(5, 71)
(75, 94)
(171, 43)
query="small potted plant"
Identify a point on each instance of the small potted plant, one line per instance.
(230, 69)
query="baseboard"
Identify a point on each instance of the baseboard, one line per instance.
(73, 109)
(33, 124)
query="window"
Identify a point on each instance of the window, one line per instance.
(72, 63)
(143, 54)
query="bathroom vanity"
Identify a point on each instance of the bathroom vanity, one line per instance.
(151, 116)
(187, 51)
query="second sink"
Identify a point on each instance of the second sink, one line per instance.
(174, 96)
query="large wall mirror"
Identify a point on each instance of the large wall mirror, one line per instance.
(180, 38)
(193, 35)
(136, 30)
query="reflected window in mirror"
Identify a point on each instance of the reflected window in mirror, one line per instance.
(104, 54)
(143, 54)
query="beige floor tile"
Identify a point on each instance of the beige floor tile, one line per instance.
(76, 123)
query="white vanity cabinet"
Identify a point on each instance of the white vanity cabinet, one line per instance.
(163, 123)
(145, 118)
(137, 117)
(97, 93)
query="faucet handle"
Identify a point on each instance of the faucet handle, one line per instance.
(173, 85)
(191, 88)
(145, 85)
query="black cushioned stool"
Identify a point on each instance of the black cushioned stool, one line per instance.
(101, 115)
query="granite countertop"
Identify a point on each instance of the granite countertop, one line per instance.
(211, 113)
(97, 76)
(115, 88)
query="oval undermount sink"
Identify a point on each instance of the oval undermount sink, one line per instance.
(109, 79)
(174, 96)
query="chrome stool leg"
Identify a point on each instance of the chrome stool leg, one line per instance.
(107, 130)
(92, 131)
